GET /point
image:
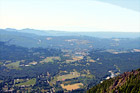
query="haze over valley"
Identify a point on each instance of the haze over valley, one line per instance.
(54, 61)
(69, 46)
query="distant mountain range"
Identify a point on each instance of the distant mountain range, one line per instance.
(70, 40)
(65, 33)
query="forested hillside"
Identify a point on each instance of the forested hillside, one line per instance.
(128, 82)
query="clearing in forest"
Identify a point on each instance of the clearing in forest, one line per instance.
(68, 76)
(14, 65)
(50, 59)
(71, 87)
(27, 83)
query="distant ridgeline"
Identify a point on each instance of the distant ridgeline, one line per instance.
(69, 40)
(128, 82)
(100, 34)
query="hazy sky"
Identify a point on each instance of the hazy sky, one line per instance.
(71, 15)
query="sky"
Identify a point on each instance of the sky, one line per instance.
(71, 15)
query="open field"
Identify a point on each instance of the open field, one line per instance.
(33, 63)
(68, 76)
(8, 61)
(136, 50)
(71, 75)
(27, 83)
(18, 80)
(69, 61)
(14, 65)
(90, 60)
(76, 58)
(1, 81)
(50, 59)
(71, 87)
(1, 63)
